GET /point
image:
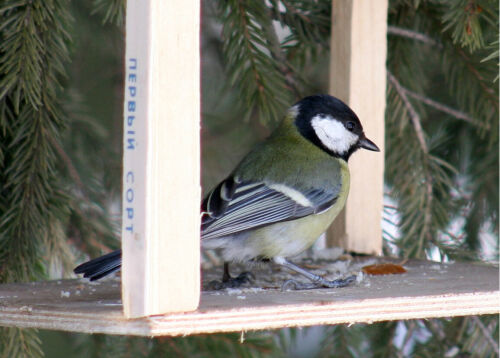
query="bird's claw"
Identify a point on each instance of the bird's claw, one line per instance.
(289, 285)
(341, 282)
(292, 285)
(232, 282)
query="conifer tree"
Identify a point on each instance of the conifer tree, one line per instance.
(60, 139)
(33, 208)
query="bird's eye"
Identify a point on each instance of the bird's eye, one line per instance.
(350, 126)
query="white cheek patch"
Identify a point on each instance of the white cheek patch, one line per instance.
(333, 134)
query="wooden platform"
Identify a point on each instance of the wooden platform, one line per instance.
(426, 290)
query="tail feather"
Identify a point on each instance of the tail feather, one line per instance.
(101, 266)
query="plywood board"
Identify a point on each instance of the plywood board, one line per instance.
(358, 77)
(161, 166)
(427, 290)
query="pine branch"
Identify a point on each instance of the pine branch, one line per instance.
(113, 11)
(466, 19)
(253, 70)
(33, 51)
(308, 22)
(415, 118)
(404, 92)
(411, 327)
(20, 343)
(417, 175)
(442, 107)
(279, 56)
(32, 125)
(73, 173)
(414, 35)
(436, 328)
(486, 334)
(464, 62)
(493, 98)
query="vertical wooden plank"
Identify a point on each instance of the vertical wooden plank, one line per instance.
(161, 170)
(358, 77)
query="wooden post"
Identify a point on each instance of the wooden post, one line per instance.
(358, 77)
(161, 170)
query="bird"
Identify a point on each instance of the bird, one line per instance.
(281, 196)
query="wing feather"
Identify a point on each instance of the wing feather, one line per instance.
(234, 206)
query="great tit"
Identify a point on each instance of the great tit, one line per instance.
(282, 196)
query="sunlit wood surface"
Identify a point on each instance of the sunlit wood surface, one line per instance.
(427, 290)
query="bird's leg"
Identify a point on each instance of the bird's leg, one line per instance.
(226, 276)
(231, 282)
(317, 281)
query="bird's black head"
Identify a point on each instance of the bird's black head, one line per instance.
(331, 125)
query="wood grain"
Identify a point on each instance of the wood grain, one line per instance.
(358, 77)
(161, 177)
(427, 290)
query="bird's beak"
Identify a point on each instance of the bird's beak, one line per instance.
(368, 144)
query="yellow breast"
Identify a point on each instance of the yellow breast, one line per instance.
(290, 238)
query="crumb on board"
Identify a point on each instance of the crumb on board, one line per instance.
(268, 275)
(384, 268)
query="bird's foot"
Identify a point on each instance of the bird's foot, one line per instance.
(320, 283)
(232, 282)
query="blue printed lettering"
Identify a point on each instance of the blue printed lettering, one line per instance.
(130, 195)
(130, 177)
(133, 64)
(131, 106)
(131, 143)
(130, 121)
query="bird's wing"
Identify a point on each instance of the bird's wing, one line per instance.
(235, 206)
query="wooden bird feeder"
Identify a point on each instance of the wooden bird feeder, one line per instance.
(159, 292)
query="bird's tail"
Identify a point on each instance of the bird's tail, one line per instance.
(101, 266)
